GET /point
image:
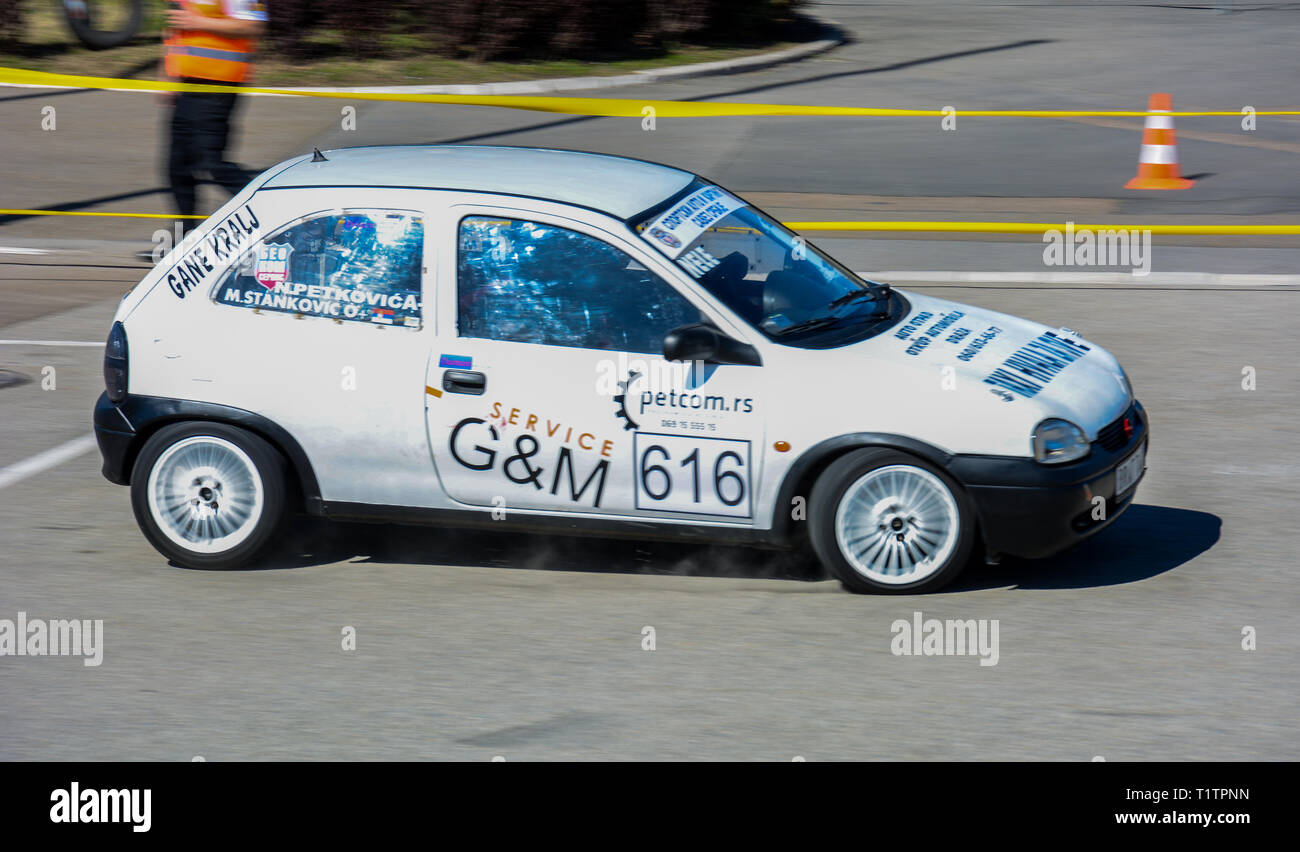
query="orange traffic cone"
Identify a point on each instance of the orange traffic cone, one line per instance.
(1158, 162)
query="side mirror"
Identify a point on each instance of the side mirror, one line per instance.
(701, 342)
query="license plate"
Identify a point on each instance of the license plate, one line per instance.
(1126, 475)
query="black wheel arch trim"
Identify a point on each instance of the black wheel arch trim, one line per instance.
(823, 452)
(122, 429)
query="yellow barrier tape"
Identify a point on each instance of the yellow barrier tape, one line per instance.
(82, 213)
(1040, 227)
(604, 107)
(904, 226)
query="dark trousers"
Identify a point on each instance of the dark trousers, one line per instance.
(199, 132)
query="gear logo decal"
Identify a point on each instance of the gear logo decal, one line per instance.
(621, 399)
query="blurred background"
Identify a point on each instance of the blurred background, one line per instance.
(471, 646)
(412, 41)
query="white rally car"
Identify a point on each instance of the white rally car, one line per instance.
(555, 340)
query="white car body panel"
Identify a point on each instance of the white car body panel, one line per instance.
(617, 185)
(386, 440)
(366, 444)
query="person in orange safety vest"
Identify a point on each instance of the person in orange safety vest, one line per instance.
(211, 42)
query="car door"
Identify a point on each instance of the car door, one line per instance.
(548, 390)
(324, 331)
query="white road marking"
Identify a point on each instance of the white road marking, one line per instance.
(15, 250)
(49, 343)
(46, 460)
(1210, 279)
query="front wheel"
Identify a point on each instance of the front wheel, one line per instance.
(885, 522)
(208, 495)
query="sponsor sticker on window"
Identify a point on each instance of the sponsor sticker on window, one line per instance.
(358, 267)
(273, 265)
(683, 223)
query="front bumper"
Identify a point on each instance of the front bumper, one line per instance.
(1033, 510)
(115, 436)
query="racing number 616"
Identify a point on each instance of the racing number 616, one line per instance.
(688, 474)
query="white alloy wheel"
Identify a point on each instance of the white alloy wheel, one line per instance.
(205, 494)
(897, 524)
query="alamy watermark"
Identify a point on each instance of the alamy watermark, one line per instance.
(1073, 246)
(42, 637)
(77, 805)
(653, 375)
(931, 637)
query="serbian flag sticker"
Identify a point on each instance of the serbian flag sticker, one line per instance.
(384, 315)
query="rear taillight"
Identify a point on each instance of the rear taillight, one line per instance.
(115, 363)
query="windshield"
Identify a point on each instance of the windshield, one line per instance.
(767, 274)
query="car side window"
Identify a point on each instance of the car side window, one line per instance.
(351, 266)
(529, 282)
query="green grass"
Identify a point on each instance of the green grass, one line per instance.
(406, 60)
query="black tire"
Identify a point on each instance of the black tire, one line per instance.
(268, 470)
(831, 489)
(97, 39)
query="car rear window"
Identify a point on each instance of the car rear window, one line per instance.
(350, 266)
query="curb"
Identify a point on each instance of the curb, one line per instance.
(836, 37)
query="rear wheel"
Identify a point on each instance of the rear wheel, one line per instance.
(883, 521)
(208, 495)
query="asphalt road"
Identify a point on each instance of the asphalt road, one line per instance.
(474, 646)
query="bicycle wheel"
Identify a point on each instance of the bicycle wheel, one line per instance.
(100, 24)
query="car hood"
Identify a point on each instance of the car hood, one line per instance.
(1004, 371)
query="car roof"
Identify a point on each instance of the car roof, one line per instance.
(620, 186)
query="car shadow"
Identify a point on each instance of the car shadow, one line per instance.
(1145, 542)
(314, 542)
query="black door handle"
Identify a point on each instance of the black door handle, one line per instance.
(463, 381)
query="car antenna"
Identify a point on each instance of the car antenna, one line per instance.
(317, 156)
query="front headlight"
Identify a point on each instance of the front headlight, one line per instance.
(1059, 441)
